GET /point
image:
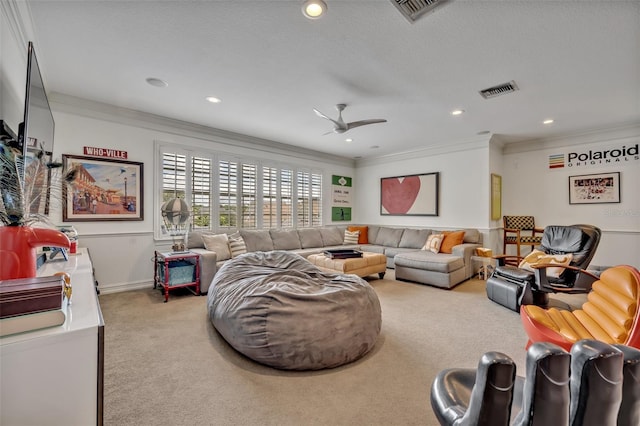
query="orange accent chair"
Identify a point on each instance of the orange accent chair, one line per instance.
(521, 231)
(611, 314)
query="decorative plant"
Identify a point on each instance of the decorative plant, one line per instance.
(19, 186)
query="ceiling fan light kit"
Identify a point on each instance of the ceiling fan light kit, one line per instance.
(314, 9)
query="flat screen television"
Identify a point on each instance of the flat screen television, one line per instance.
(35, 134)
(37, 128)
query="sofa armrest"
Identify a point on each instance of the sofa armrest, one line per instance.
(465, 251)
(208, 267)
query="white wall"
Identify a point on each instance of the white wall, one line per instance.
(13, 68)
(122, 251)
(464, 182)
(531, 187)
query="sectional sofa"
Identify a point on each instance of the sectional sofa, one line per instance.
(402, 246)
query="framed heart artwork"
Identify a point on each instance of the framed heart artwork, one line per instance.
(412, 195)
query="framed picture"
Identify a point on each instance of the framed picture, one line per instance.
(496, 196)
(412, 195)
(103, 190)
(37, 181)
(594, 189)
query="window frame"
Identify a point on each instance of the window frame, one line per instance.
(248, 189)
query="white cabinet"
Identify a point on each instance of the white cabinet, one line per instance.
(55, 375)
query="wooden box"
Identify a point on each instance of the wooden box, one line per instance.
(29, 295)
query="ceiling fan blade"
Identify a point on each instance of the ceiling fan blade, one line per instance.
(319, 114)
(364, 123)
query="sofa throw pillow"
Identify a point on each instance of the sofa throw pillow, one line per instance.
(236, 245)
(450, 240)
(218, 243)
(538, 257)
(364, 234)
(351, 237)
(434, 241)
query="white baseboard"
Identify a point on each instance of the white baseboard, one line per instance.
(119, 287)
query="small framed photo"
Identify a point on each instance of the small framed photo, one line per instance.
(103, 190)
(594, 189)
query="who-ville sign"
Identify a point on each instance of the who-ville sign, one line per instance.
(616, 156)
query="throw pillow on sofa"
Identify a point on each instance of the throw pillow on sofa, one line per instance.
(538, 257)
(434, 241)
(364, 234)
(236, 245)
(450, 240)
(218, 243)
(351, 238)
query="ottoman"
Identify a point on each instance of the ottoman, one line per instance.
(279, 310)
(369, 263)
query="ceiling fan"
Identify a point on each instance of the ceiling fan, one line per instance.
(339, 126)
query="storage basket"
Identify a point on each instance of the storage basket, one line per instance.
(180, 272)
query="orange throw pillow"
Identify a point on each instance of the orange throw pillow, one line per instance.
(364, 231)
(451, 239)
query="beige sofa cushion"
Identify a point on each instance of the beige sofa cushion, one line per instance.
(285, 239)
(414, 238)
(257, 240)
(218, 243)
(310, 237)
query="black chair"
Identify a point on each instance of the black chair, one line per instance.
(513, 287)
(479, 397)
(542, 397)
(596, 384)
(629, 413)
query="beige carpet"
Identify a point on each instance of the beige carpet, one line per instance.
(166, 365)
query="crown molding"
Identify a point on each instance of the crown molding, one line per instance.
(18, 16)
(115, 114)
(586, 137)
(464, 145)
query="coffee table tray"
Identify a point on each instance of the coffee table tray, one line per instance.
(342, 254)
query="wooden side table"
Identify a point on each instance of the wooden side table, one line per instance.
(169, 275)
(482, 265)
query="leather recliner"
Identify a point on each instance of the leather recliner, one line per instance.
(513, 287)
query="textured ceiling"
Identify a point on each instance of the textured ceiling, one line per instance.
(575, 61)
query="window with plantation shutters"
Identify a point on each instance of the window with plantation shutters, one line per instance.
(248, 202)
(228, 198)
(286, 198)
(174, 170)
(225, 194)
(316, 199)
(270, 197)
(303, 199)
(201, 192)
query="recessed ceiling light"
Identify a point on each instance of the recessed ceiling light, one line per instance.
(348, 140)
(156, 82)
(457, 111)
(314, 9)
(548, 121)
(213, 99)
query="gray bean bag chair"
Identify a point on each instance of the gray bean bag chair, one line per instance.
(278, 309)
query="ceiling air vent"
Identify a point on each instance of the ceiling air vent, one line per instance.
(501, 89)
(414, 9)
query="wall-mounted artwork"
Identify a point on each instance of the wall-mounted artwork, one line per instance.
(412, 195)
(496, 196)
(595, 188)
(341, 202)
(103, 190)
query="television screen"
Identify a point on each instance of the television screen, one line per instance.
(38, 125)
(36, 138)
